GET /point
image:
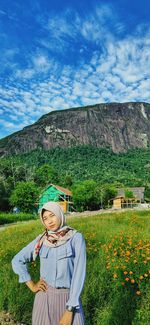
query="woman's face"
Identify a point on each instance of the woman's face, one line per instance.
(51, 221)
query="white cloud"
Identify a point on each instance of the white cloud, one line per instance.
(118, 72)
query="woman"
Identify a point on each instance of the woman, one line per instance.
(62, 255)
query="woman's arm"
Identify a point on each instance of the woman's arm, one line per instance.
(19, 261)
(79, 271)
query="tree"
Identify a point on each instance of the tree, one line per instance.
(109, 192)
(86, 195)
(68, 180)
(129, 194)
(147, 193)
(4, 203)
(45, 175)
(25, 196)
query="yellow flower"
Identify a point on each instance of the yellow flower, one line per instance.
(130, 242)
(115, 276)
(125, 272)
(128, 253)
(130, 272)
(138, 293)
(141, 277)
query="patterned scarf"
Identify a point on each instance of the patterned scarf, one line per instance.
(53, 238)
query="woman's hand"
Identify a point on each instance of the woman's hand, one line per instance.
(66, 318)
(41, 285)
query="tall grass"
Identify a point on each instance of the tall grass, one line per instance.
(118, 262)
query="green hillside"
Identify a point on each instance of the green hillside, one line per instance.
(131, 168)
(78, 164)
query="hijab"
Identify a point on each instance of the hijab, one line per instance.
(53, 238)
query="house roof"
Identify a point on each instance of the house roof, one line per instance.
(62, 189)
(59, 188)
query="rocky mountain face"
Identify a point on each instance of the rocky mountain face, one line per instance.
(120, 126)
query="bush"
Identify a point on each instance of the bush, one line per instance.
(11, 217)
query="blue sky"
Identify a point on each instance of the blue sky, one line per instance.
(62, 54)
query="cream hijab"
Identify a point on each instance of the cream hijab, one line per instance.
(53, 238)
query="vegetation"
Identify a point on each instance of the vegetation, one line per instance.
(25, 196)
(89, 195)
(66, 167)
(15, 217)
(117, 287)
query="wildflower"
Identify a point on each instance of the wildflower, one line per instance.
(127, 279)
(141, 277)
(128, 253)
(115, 253)
(115, 276)
(125, 272)
(132, 281)
(145, 275)
(131, 272)
(138, 293)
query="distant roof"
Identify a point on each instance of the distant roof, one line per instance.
(137, 191)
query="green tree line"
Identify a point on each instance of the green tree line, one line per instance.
(96, 169)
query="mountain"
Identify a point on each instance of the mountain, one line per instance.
(119, 126)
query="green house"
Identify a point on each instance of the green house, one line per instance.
(57, 194)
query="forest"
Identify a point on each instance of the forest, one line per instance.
(71, 166)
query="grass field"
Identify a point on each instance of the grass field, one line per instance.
(117, 287)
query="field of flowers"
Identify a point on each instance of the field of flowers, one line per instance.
(117, 288)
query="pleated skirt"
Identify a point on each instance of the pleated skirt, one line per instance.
(49, 306)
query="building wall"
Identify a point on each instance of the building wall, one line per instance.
(117, 203)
